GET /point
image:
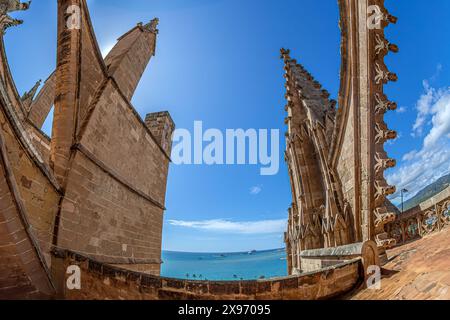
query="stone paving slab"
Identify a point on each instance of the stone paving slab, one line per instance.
(417, 271)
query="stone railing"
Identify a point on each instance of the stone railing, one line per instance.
(102, 281)
(430, 216)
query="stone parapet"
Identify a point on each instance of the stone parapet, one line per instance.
(102, 281)
(432, 215)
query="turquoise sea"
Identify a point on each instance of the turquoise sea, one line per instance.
(224, 266)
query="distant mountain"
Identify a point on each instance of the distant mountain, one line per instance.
(428, 192)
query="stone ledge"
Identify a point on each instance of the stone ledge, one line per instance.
(322, 259)
(347, 250)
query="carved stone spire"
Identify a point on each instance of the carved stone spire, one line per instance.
(28, 96)
(129, 58)
(42, 104)
(152, 26)
(285, 55)
(311, 92)
(316, 194)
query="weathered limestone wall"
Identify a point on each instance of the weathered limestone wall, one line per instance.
(40, 197)
(21, 272)
(361, 132)
(110, 212)
(119, 138)
(40, 141)
(80, 74)
(102, 217)
(113, 169)
(29, 199)
(91, 67)
(28, 205)
(102, 159)
(8, 84)
(348, 169)
(100, 281)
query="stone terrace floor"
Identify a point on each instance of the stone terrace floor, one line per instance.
(416, 271)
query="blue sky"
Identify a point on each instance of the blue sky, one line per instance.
(218, 61)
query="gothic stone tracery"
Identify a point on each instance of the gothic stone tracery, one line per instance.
(336, 157)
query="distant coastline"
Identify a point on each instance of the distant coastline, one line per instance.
(230, 266)
(225, 252)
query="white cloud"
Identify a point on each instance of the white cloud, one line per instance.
(402, 110)
(256, 190)
(410, 155)
(227, 226)
(426, 102)
(423, 107)
(423, 167)
(439, 69)
(441, 118)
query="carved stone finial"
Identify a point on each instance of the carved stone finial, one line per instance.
(382, 134)
(325, 94)
(382, 189)
(7, 6)
(381, 163)
(390, 18)
(152, 26)
(13, 5)
(333, 104)
(285, 54)
(382, 105)
(382, 45)
(7, 22)
(383, 76)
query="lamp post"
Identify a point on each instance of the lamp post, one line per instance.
(403, 191)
